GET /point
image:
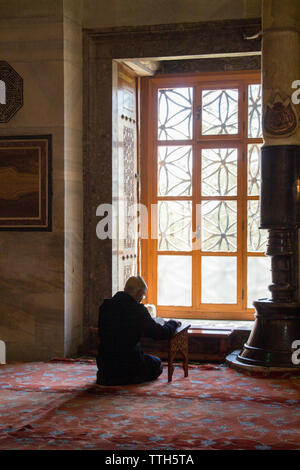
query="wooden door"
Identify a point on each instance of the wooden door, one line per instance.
(125, 190)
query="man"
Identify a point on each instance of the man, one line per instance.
(122, 322)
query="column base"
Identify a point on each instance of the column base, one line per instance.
(234, 363)
(269, 345)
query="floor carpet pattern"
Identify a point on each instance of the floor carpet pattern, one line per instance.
(57, 405)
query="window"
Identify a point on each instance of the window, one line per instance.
(201, 139)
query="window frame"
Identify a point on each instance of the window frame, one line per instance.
(149, 143)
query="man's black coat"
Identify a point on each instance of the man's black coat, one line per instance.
(122, 322)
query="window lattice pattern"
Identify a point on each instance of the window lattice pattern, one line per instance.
(174, 225)
(175, 120)
(175, 171)
(219, 172)
(220, 111)
(254, 169)
(204, 176)
(219, 226)
(257, 239)
(254, 111)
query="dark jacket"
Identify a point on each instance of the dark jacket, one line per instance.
(122, 322)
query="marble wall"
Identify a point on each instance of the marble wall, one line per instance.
(73, 176)
(40, 272)
(101, 14)
(41, 287)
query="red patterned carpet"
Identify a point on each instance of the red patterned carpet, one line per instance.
(56, 405)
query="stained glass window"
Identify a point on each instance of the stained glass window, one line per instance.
(219, 172)
(254, 111)
(175, 120)
(175, 171)
(219, 219)
(220, 111)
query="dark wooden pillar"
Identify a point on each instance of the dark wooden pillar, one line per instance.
(277, 322)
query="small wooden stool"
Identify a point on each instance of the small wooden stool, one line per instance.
(178, 343)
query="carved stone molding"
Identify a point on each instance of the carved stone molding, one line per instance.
(281, 118)
(179, 40)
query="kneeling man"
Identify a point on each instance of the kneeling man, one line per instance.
(122, 322)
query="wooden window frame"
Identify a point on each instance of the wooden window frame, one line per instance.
(149, 87)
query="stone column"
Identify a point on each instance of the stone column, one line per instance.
(277, 323)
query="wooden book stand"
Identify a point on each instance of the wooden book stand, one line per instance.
(178, 343)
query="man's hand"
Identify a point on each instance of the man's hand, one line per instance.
(176, 321)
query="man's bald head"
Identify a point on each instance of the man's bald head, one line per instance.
(136, 287)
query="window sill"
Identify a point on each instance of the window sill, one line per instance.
(218, 324)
